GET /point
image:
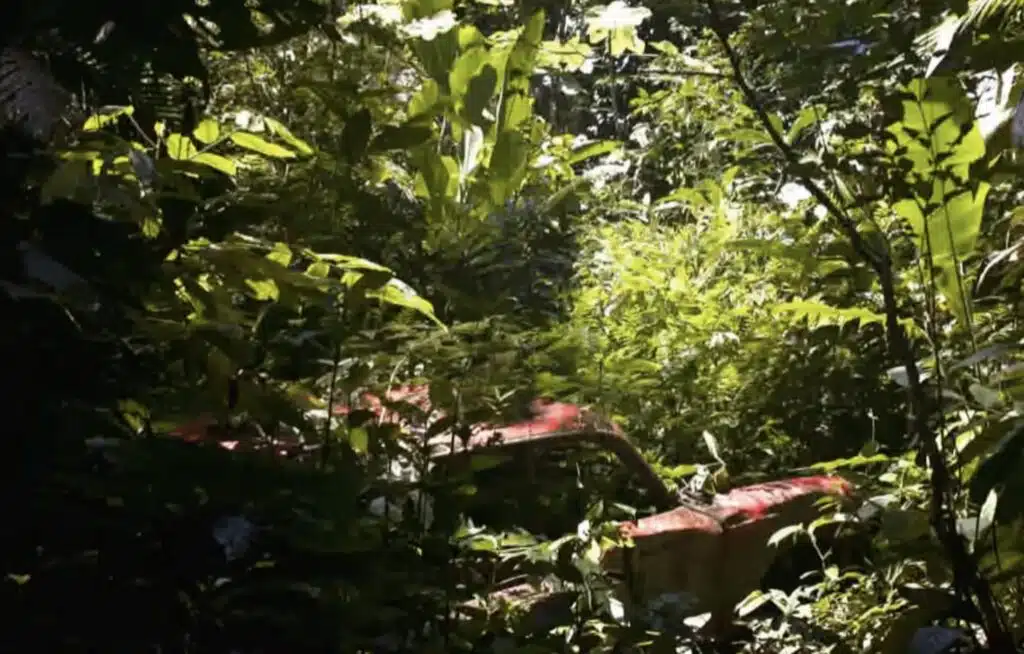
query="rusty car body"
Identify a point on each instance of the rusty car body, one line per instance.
(714, 550)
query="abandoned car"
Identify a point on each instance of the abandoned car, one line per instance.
(714, 550)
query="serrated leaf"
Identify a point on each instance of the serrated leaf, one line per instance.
(255, 143)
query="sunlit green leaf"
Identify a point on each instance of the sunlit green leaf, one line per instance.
(255, 143)
(207, 131)
(180, 147)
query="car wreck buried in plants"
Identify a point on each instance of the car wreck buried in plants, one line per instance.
(715, 550)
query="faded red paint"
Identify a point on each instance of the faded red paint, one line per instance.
(717, 551)
(547, 416)
(756, 501)
(684, 518)
(748, 503)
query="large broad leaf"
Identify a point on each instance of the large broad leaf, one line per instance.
(478, 94)
(939, 139)
(508, 165)
(436, 41)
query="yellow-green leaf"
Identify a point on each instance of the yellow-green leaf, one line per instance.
(285, 135)
(318, 269)
(264, 289)
(358, 439)
(98, 121)
(281, 254)
(252, 142)
(151, 227)
(180, 147)
(217, 162)
(208, 131)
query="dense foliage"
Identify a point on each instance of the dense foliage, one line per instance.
(765, 237)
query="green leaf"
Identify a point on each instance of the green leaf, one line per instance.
(264, 289)
(281, 254)
(426, 102)
(151, 226)
(180, 147)
(616, 22)
(438, 47)
(987, 397)
(217, 162)
(807, 117)
(319, 269)
(591, 150)
(98, 120)
(358, 439)
(776, 122)
(283, 133)
(748, 135)
(508, 165)
(250, 141)
(1000, 468)
(818, 314)
(465, 69)
(207, 131)
(479, 93)
(392, 294)
(852, 462)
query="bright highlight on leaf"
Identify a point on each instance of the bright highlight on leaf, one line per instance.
(616, 23)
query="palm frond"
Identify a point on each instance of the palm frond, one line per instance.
(979, 12)
(30, 98)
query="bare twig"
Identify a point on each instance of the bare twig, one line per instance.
(967, 578)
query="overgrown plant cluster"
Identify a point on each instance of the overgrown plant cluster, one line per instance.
(765, 238)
